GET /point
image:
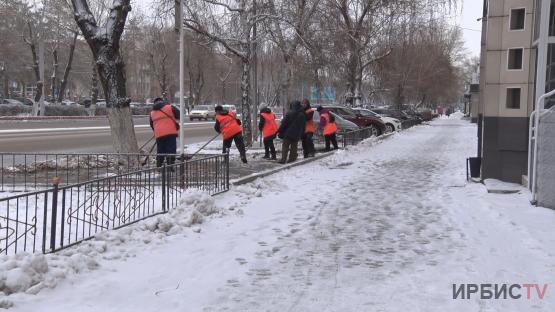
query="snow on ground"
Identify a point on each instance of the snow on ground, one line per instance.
(387, 226)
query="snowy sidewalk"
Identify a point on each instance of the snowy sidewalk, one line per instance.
(389, 227)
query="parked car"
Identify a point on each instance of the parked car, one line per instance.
(11, 102)
(343, 125)
(203, 112)
(394, 113)
(375, 123)
(391, 124)
(26, 101)
(68, 103)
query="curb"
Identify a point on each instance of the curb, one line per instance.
(17, 118)
(266, 173)
(254, 176)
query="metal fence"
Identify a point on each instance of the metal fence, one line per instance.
(20, 172)
(355, 136)
(410, 123)
(61, 216)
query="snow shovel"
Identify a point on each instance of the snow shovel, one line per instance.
(141, 148)
(189, 157)
(148, 154)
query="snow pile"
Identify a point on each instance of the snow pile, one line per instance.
(68, 162)
(456, 115)
(30, 273)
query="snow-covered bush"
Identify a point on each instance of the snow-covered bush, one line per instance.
(14, 110)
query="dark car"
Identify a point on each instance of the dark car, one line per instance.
(376, 124)
(25, 101)
(394, 113)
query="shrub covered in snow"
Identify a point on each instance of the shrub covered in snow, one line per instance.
(14, 110)
(30, 273)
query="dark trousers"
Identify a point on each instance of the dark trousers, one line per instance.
(269, 148)
(166, 145)
(239, 143)
(331, 139)
(308, 144)
(289, 147)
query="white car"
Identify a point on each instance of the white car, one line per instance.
(202, 112)
(391, 124)
(68, 103)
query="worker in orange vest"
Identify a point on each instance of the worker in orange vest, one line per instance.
(230, 129)
(163, 120)
(327, 123)
(307, 142)
(268, 127)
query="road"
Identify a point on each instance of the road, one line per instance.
(80, 136)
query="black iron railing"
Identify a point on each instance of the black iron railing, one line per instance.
(356, 136)
(61, 216)
(405, 124)
(20, 172)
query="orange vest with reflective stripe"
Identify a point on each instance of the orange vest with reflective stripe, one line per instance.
(163, 122)
(270, 125)
(229, 127)
(330, 127)
(309, 127)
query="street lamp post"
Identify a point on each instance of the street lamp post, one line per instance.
(181, 77)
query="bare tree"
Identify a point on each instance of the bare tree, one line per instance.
(67, 70)
(104, 41)
(229, 25)
(287, 30)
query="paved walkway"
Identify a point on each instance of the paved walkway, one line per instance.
(388, 227)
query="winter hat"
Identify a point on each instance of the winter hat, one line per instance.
(218, 108)
(158, 101)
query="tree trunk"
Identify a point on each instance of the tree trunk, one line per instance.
(54, 78)
(245, 101)
(67, 70)
(357, 88)
(94, 90)
(285, 96)
(104, 41)
(111, 72)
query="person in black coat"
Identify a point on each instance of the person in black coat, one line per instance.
(291, 131)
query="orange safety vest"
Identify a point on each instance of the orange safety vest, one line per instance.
(270, 125)
(309, 127)
(228, 126)
(163, 122)
(330, 127)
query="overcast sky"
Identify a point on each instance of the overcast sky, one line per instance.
(466, 17)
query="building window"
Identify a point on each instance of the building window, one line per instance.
(513, 98)
(515, 59)
(518, 17)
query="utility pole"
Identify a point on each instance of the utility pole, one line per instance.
(255, 76)
(181, 77)
(41, 69)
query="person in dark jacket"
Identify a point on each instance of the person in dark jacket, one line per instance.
(268, 128)
(307, 142)
(230, 129)
(291, 131)
(163, 120)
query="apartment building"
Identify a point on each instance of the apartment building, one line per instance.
(517, 67)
